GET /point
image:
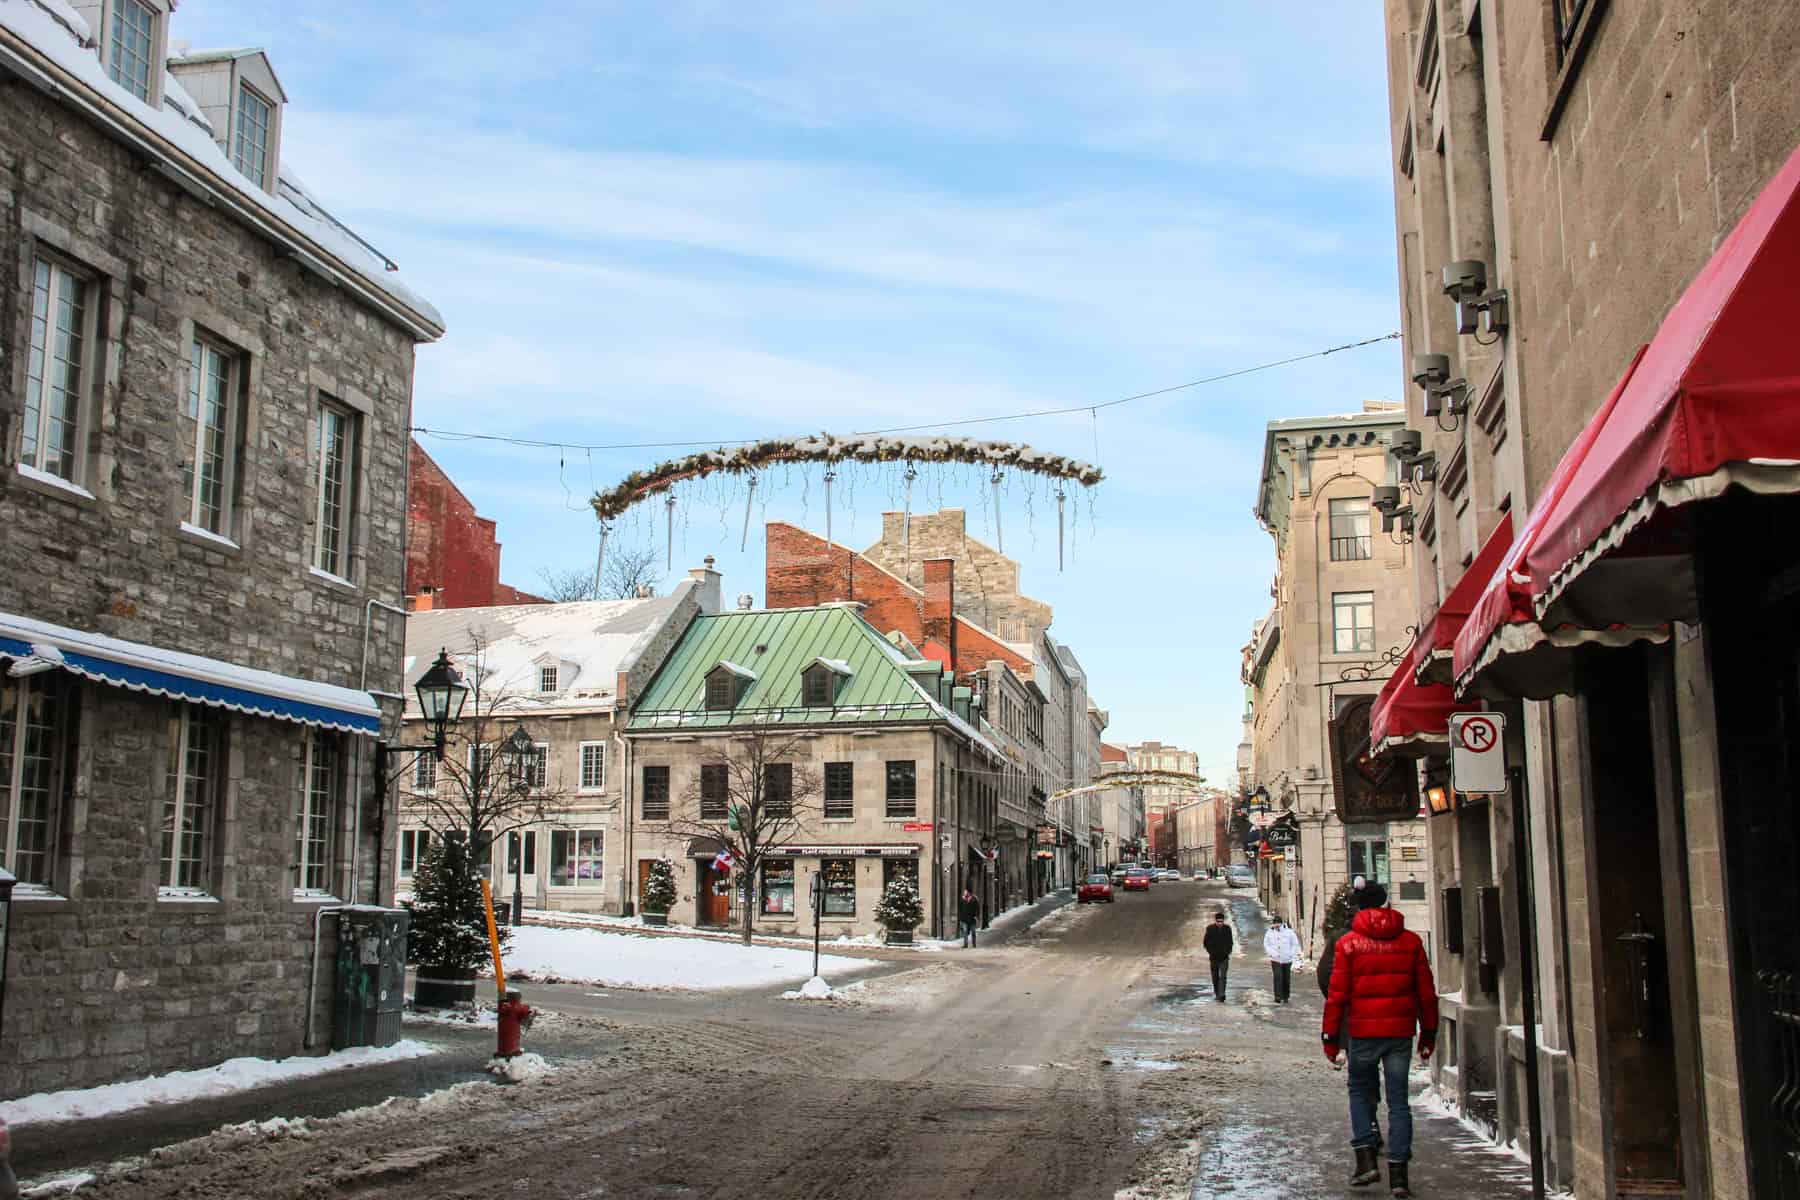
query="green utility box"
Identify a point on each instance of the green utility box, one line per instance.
(370, 991)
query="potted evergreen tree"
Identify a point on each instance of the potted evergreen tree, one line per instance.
(900, 909)
(659, 892)
(447, 938)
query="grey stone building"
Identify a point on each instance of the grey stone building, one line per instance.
(205, 385)
(1597, 208)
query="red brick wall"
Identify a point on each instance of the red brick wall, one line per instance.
(449, 547)
(803, 569)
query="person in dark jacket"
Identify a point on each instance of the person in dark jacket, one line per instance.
(1381, 993)
(968, 916)
(1363, 894)
(1218, 948)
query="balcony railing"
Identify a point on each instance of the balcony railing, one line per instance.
(1345, 549)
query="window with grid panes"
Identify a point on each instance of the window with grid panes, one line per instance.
(57, 367)
(212, 404)
(653, 794)
(536, 767)
(320, 798)
(902, 788)
(840, 791)
(817, 687)
(425, 773)
(196, 773)
(593, 766)
(547, 677)
(715, 791)
(721, 690)
(336, 485)
(250, 140)
(778, 789)
(413, 844)
(840, 886)
(1350, 529)
(37, 731)
(1352, 622)
(132, 47)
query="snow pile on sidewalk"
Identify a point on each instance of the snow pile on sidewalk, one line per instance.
(233, 1075)
(814, 989)
(57, 1185)
(519, 1068)
(627, 961)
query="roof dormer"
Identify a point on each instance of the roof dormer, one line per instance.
(242, 100)
(822, 680)
(132, 39)
(726, 685)
(552, 675)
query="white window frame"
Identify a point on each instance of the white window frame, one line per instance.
(537, 771)
(547, 679)
(425, 774)
(334, 513)
(187, 793)
(314, 855)
(246, 126)
(60, 276)
(202, 356)
(13, 767)
(1352, 603)
(118, 50)
(582, 763)
(598, 860)
(1361, 543)
(413, 845)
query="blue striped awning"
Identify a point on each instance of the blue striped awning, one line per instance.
(192, 677)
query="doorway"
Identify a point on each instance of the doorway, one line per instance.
(521, 866)
(712, 896)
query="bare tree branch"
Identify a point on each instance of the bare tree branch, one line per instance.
(629, 571)
(562, 585)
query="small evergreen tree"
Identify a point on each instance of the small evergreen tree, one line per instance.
(448, 929)
(659, 888)
(1339, 912)
(900, 908)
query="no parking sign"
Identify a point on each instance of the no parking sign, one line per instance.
(1478, 752)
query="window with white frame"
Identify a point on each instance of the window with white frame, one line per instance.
(320, 800)
(577, 857)
(37, 730)
(250, 137)
(191, 806)
(536, 769)
(1350, 529)
(593, 767)
(425, 769)
(336, 484)
(547, 679)
(1352, 622)
(212, 406)
(57, 369)
(481, 758)
(413, 845)
(132, 47)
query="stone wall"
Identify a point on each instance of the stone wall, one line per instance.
(987, 580)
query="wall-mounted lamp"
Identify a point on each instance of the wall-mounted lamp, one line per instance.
(1439, 799)
(1478, 310)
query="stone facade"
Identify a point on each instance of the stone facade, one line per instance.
(114, 973)
(989, 581)
(452, 555)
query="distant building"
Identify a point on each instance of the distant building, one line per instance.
(452, 557)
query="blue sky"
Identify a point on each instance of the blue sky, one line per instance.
(707, 221)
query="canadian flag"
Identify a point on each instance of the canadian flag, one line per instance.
(724, 861)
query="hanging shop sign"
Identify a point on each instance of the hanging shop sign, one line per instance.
(1367, 788)
(1283, 837)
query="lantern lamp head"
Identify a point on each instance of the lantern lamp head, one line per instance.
(442, 693)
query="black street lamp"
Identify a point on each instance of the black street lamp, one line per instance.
(519, 750)
(7, 882)
(442, 694)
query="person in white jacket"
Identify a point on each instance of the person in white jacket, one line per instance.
(1282, 945)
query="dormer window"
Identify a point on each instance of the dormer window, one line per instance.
(131, 46)
(821, 681)
(250, 133)
(547, 679)
(726, 685)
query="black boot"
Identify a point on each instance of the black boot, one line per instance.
(1368, 1167)
(1397, 1180)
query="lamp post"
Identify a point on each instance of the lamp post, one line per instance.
(7, 881)
(519, 749)
(442, 694)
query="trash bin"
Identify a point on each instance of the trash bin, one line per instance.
(370, 993)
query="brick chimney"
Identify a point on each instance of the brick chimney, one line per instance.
(939, 622)
(424, 601)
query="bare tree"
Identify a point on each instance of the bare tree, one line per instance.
(481, 789)
(627, 573)
(753, 800)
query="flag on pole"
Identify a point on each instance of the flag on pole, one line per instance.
(724, 860)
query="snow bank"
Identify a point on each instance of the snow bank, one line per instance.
(814, 989)
(628, 961)
(520, 1067)
(57, 1185)
(233, 1075)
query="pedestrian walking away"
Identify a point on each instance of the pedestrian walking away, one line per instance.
(1381, 993)
(1282, 945)
(1218, 943)
(968, 916)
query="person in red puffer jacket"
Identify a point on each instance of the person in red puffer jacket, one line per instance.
(1381, 993)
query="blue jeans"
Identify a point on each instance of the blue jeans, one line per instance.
(1376, 1063)
(968, 933)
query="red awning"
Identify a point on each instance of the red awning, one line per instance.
(1408, 717)
(1440, 632)
(1713, 401)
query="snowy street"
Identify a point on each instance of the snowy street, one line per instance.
(1081, 1056)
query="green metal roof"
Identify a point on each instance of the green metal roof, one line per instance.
(778, 645)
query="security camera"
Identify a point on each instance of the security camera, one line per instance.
(1405, 444)
(1465, 279)
(1428, 370)
(1385, 499)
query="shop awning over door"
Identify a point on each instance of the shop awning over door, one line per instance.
(1410, 718)
(1439, 635)
(1712, 402)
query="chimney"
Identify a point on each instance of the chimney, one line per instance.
(706, 590)
(940, 605)
(425, 601)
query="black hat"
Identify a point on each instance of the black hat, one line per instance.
(1369, 894)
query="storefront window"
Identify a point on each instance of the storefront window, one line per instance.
(1369, 853)
(778, 887)
(576, 857)
(840, 886)
(899, 868)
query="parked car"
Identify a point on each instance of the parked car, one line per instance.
(1240, 875)
(9, 1183)
(1098, 889)
(1137, 880)
(1168, 875)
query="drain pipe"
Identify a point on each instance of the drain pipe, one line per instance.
(312, 977)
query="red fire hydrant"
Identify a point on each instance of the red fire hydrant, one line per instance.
(515, 1019)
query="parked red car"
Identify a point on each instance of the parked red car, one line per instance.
(1137, 881)
(1097, 888)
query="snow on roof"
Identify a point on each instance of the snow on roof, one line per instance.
(596, 637)
(57, 31)
(740, 672)
(835, 664)
(176, 97)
